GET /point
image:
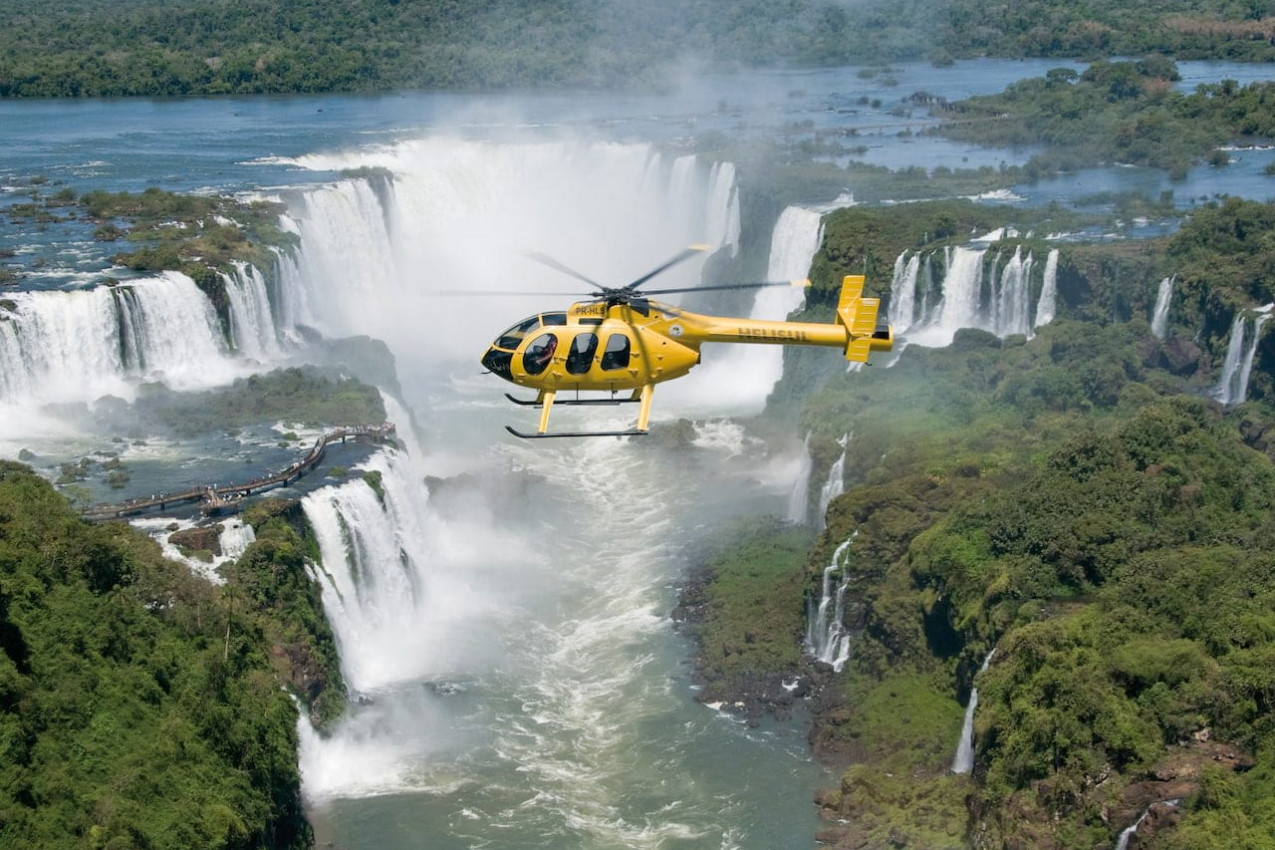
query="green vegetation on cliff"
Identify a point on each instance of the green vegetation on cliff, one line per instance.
(291, 395)
(1074, 501)
(137, 703)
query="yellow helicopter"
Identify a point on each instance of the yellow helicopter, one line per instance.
(622, 341)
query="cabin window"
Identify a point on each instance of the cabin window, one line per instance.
(616, 355)
(554, 319)
(580, 358)
(510, 338)
(539, 354)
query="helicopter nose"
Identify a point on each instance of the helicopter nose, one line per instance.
(497, 361)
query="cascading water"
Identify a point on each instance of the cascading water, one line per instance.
(1246, 366)
(826, 636)
(978, 290)
(1011, 314)
(903, 292)
(253, 330)
(835, 485)
(77, 345)
(1237, 368)
(1047, 305)
(963, 762)
(1122, 843)
(1160, 315)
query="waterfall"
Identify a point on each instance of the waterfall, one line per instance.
(723, 209)
(903, 291)
(382, 599)
(461, 215)
(1122, 843)
(235, 538)
(77, 345)
(1046, 306)
(835, 485)
(743, 375)
(962, 287)
(252, 324)
(1160, 315)
(826, 636)
(979, 289)
(1011, 314)
(1232, 389)
(798, 501)
(964, 760)
(1246, 366)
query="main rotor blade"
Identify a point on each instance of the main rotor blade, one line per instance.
(791, 283)
(567, 270)
(483, 293)
(686, 254)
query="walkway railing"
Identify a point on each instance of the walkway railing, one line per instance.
(226, 498)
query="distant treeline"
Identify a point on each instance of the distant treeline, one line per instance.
(92, 48)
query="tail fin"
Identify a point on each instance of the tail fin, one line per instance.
(859, 317)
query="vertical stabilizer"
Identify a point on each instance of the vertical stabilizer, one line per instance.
(858, 315)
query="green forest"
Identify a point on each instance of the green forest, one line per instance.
(107, 48)
(1073, 500)
(139, 704)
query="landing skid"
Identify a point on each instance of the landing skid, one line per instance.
(632, 432)
(533, 402)
(546, 399)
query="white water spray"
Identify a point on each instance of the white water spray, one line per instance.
(964, 760)
(799, 499)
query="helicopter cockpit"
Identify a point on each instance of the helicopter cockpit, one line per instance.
(581, 344)
(500, 355)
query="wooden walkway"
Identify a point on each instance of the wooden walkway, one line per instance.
(227, 498)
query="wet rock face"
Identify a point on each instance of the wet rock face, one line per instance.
(1180, 356)
(201, 537)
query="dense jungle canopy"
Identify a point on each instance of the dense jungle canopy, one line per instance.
(88, 48)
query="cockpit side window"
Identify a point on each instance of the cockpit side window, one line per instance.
(539, 354)
(617, 351)
(510, 338)
(580, 358)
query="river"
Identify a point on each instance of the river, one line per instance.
(518, 679)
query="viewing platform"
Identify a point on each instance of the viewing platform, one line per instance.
(219, 499)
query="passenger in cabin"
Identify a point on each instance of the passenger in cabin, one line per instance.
(539, 354)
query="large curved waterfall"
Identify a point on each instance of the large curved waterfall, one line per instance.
(507, 636)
